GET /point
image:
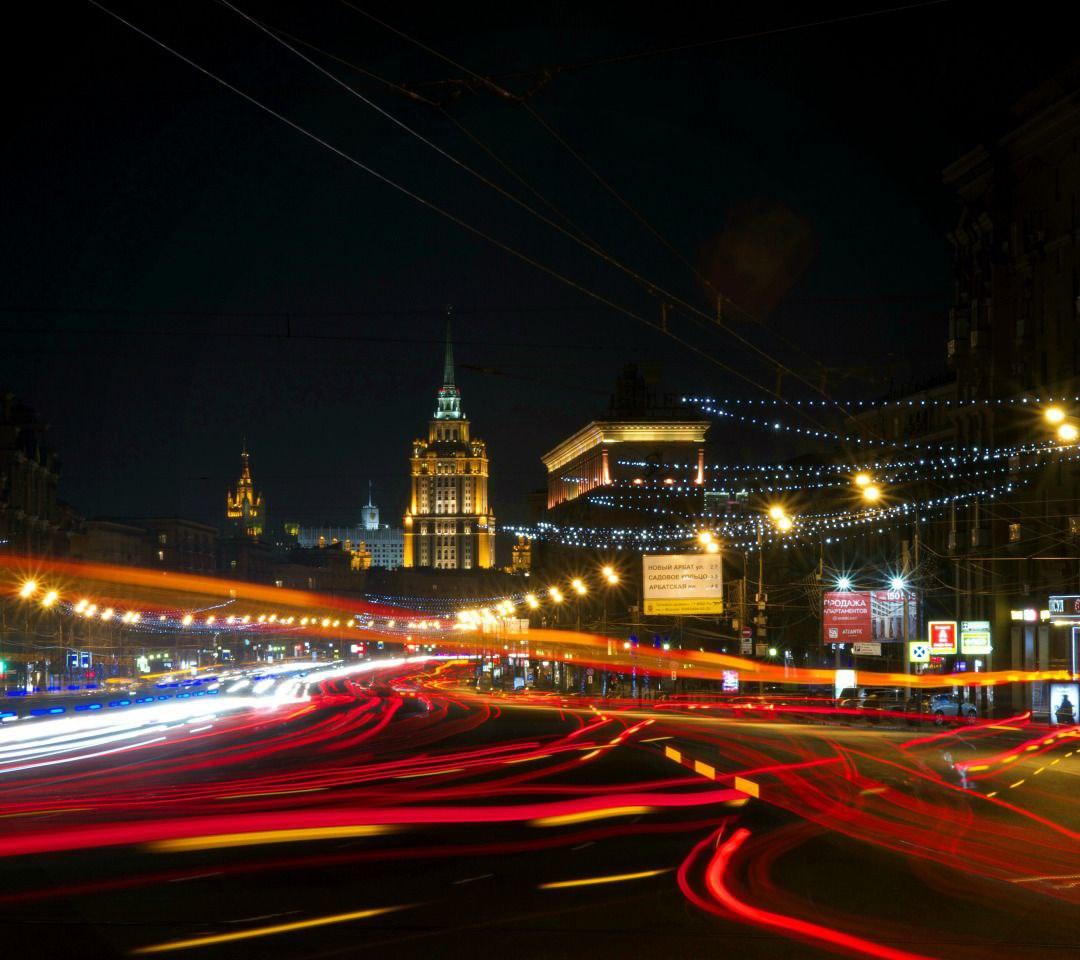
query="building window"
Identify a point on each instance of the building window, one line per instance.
(1014, 532)
(161, 555)
(162, 538)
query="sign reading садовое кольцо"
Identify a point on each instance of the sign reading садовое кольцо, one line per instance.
(685, 584)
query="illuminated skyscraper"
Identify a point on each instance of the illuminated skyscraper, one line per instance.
(244, 508)
(448, 524)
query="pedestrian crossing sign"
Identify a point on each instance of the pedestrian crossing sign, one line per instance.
(919, 652)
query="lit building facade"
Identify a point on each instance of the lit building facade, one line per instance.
(449, 525)
(607, 451)
(383, 546)
(244, 508)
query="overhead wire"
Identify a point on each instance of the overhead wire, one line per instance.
(680, 301)
(423, 201)
(647, 284)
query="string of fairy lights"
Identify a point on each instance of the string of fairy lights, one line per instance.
(777, 426)
(677, 509)
(905, 403)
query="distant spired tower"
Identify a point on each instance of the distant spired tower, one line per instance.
(449, 525)
(244, 508)
(370, 513)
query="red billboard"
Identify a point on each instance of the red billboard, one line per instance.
(863, 616)
(846, 617)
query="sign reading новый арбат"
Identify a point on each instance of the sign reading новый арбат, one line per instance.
(687, 584)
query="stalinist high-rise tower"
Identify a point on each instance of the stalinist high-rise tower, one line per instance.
(448, 525)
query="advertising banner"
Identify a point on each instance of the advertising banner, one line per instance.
(864, 616)
(846, 616)
(1063, 700)
(730, 681)
(866, 649)
(975, 636)
(942, 636)
(683, 584)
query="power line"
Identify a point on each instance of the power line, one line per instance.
(650, 286)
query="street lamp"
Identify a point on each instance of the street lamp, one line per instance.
(1054, 415)
(28, 589)
(1068, 432)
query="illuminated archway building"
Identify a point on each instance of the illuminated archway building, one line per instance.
(448, 525)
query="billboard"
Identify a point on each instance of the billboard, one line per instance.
(942, 636)
(683, 584)
(865, 616)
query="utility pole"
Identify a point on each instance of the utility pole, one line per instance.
(760, 600)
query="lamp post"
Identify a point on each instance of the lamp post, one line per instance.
(581, 590)
(872, 493)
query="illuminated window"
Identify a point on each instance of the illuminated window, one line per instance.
(161, 555)
(162, 538)
(1014, 532)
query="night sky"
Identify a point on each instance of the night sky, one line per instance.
(182, 270)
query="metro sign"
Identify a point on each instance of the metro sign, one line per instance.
(942, 636)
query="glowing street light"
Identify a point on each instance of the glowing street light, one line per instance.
(705, 538)
(776, 512)
(1068, 432)
(556, 594)
(28, 589)
(712, 547)
(579, 587)
(862, 479)
(843, 583)
(871, 493)
(50, 598)
(530, 599)
(897, 583)
(1054, 415)
(784, 524)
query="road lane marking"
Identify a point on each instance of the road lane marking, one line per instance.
(265, 931)
(747, 786)
(591, 881)
(483, 876)
(299, 834)
(428, 773)
(44, 813)
(586, 815)
(271, 793)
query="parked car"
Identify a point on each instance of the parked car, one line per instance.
(874, 700)
(941, 705)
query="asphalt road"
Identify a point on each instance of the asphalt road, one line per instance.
(412, 817)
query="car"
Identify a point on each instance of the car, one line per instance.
(941, 705)
(874, 700)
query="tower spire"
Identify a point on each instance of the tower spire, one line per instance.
(449, 404)
(448, 363)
